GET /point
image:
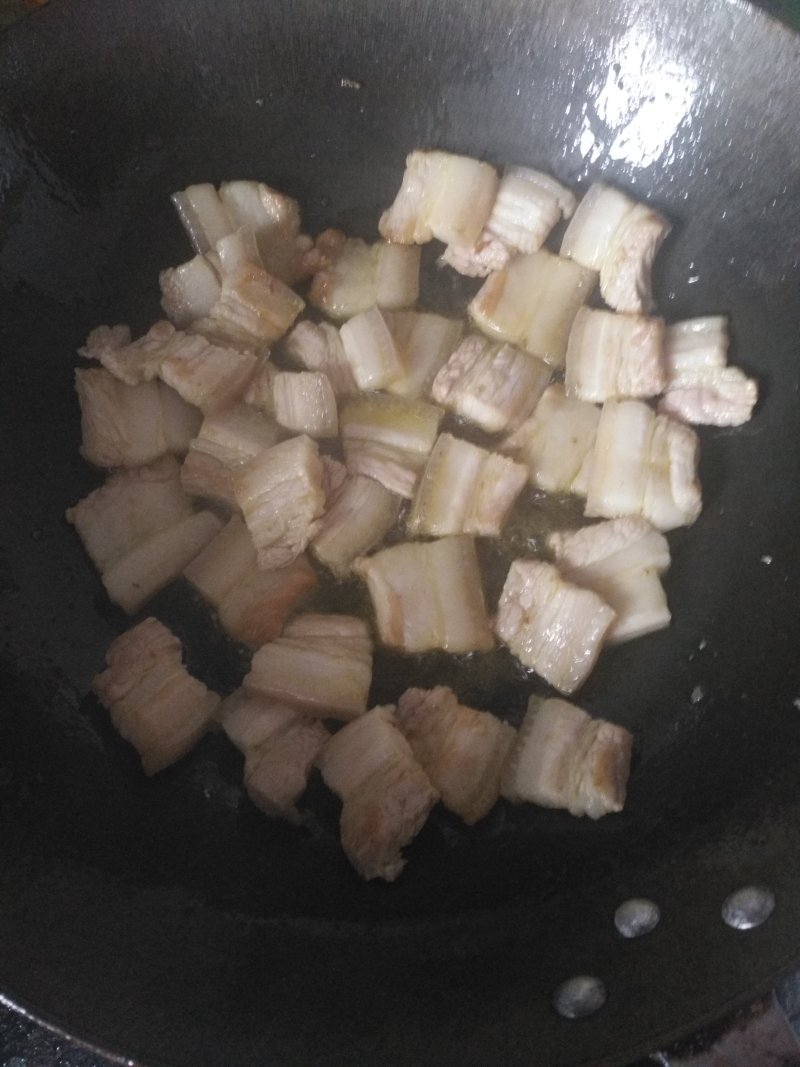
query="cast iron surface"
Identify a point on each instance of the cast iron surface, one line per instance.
(167, 920)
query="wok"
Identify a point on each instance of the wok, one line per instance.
(165, 919)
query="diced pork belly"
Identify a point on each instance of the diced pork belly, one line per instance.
(152, 564)
(274, 220)
(154, 702)
(386, 795)
(495, 385)
(388, 439)
(234, 251)
(282, 499)
(428, 595)
(550, 624)
(252, 603)
(254, 309)
(465, 489)
(362, 513)
(694, 345)
(189, 291)
(226, 442)
(442, 195)
(318, 347)
(131, 425)
(533, 303)
(461, 750)
(305, 403)
(611, 233)
(276, 773)
(612, 355)
(556, 443)
(321, 666)
(133, 362)
(712, 398)
(280, 749)
(210, 216)
(621, 560)
(250, 719)
(527, 207)
(130, 506)
(370, 350)
(424, 342)
(565, 759)
(205, 374)
(701, 388)
(353, 276)
(140, 531)
(204, 216)
(255, 610)
(644, 464)
(227, 560)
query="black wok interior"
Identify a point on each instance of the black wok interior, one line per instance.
(166, 919)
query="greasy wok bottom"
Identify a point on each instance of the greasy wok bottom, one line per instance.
(166, 919)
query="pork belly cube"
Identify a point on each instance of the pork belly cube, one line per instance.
(282, 499)
(495, 385)
(131, 425)
(274, 220)
(370, 350)
(550, 624)
(424, 342)
(622, 561)
(154, 702)
(276, 774)
(129, 507)
(463, 751)
(280, 749)
(318, 347)
(147, 568)
(305, 403)
(389, 439)
(225, 443)
(643, 464)
(189, 291)
(701, 388)
(612, 355)
(556, 443)
(132, 362)
(528, 206)
(386, 795)
(465, 489)
(255, 610)
(321, 666)
(615, 235)
(252, 603)
(254, 309)
(140, 531)
(563, 758)
(442, 195)
(428, 595)
(533, 303)
(361, 514)
(352, 276)
(205, 374)
(203, 215)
